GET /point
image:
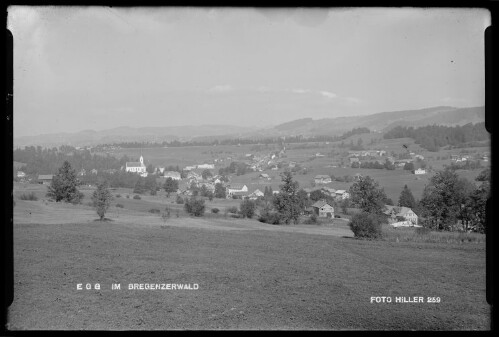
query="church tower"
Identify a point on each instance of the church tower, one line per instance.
(141, 160)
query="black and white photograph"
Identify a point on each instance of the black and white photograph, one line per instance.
(249, 168)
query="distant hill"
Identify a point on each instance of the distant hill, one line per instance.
(128, 134)
(383, 121)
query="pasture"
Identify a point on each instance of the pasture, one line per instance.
(250, 275)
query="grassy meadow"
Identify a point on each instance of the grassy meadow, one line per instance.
(251, 275)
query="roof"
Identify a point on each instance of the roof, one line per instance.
(400, 211)
(133, 164)
(322, 176)
(340, 191)
(45, 176)
(320, 203)
(240, 193)
(172, 174)
(236, 186)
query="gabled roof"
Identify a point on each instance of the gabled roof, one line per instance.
(399, 211)
(133, 164)
(240, 193)
(236, 186)
(320, 203)
(45, 176)
(322, 176)
(340, 191)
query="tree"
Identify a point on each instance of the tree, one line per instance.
(303, 200)
(406, 198)
(317, 195)
(139, 187)
(367, 194)
(150, 168)
(101, 199)
(194, 206)
(219, 191)
(443, 199)
(64, 185)
(150, 184)
(170, 186)
(409, 167)
(286, 202)
(366, 226)
(345, 204)
(206, 174)
(355, 164)
(247, 208)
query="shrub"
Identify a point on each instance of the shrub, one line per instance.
(194, 206)
(119, 206)
(237, 216)
(312, 220)
(137, 197)
(366, 226)
(232, 209)
(337, 216)
(179, 200)
(30, 196)
(270, 217)
(215, 210)
(423, 230)
(247, 208)
(118, 195)
(154, 211)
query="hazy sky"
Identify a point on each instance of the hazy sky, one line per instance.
(98, 68)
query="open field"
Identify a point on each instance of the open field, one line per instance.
(250, 275)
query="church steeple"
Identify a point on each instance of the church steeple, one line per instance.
(142, 160)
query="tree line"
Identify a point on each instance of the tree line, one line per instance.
(433, 137)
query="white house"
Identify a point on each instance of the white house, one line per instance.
(189, 168)
(256, 194)
(173, 174)
(404, 212)
(342, 194)
(322, 179)
(264, 176)
(419, 171)
(161, 170)
(21, 174)
(236, 188)
(136, 167)
(323, 209)
(206, 166)
(45, 178)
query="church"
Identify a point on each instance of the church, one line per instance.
(137, 167)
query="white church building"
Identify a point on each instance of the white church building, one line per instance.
(137, 167)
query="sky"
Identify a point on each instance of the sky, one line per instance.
(80, 68)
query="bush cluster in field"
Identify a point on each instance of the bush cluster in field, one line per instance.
(422, 234)
(28, 196)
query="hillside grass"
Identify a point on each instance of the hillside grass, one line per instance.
(250, 275)
(404, 234)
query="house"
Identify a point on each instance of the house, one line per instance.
(342, 194)
(193, 176)
(418, 156)
(238, 195)
(174, 175)
(419, 171)
(353, 160)
(45, 179)
(206, 166)
(161, 170)
(322, 179)
(256, 194)
(328, 191)
(233, 188)
(323, 209)
(94, 171)
(401, 212)
(136, 167)
(264, 176)
(189, 168)
(82, 172)
(318, 154)
(21, 174)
